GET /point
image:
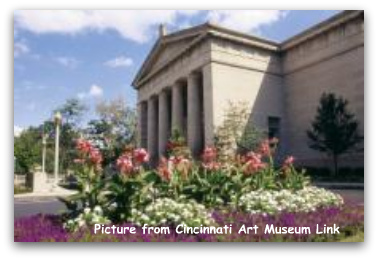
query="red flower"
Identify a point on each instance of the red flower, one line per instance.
(264, 149)
(170, 146)
(141, 156)
(83, 146)
(288, 161)
(211, 166)
(253, 163)
(175, 160)
(88, 153)
(266, 146)
(95, 156)
(163, 170)
(209, 154)
(125, 164)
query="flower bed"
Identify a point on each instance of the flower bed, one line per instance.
(349, 218)
(249, 189)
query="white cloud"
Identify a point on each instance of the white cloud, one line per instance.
(94, 91)
(120, 61)
(245, 20)
(20, 48)
(68, 62)
(17, 130)
(136, 25)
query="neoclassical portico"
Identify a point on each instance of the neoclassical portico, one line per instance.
(179, 105)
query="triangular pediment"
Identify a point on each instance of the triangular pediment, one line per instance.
(166, 49)
(170, 50)
(170, 47)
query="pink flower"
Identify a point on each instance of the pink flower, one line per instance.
(125, 164)
(209, 154)
(253, 163)
(141, 156)
(95, 156)
(83, 146)
(288, 161)
(266, 146)
(211, 166)
(163, 170)
(175, 160)
(264, 149)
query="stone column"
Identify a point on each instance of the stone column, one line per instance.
(177, 107)
(194, 114)
(208, 104)
(143, 122)
(139, 126)
(151, 126)
(163, 122)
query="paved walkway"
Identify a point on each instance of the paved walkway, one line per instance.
(34, 205)
(56, 192)
(340, 185)
(45, 202)
(354, 195)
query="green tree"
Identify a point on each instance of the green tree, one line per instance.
(118, 121)
(28, 149)
(115, 128)
(237, 132)
(334, 130)
(28, 146)
(72, 112)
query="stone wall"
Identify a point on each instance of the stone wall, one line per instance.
(333, 61)
(247, 75)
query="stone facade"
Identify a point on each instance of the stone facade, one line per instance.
(190, 76)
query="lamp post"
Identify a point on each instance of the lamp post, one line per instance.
(57, 120)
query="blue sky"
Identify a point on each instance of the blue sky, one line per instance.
(94, 55)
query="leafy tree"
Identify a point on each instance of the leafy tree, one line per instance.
(115, 128)
(120, 119)
(334, 129)
(237, 133)
(27, 149)
(72, 112)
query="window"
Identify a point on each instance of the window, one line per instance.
(274, 127)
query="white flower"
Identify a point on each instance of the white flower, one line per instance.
(81, 223)
(97, 210)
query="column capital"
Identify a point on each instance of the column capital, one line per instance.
(194, 75)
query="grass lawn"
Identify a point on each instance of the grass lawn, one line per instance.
(359, 237)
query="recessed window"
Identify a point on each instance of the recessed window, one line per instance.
(274, 126)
